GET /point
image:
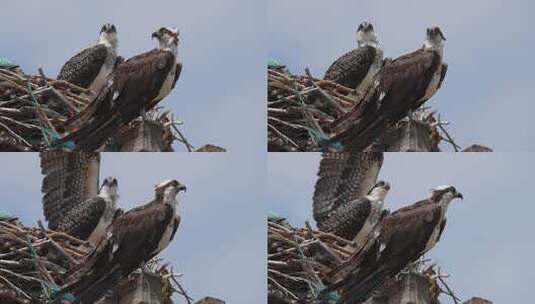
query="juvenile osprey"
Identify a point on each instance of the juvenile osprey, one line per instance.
(90, 68)
(343, 178)
(400, 87)
(69, 180)
(131, 241)
(89, 219)
(405, 236)
(136, 86)
(357, 68)
(354, 220)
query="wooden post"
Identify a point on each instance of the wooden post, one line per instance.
(143, 136)
(143, 289)
(412, 288)
(411, 136)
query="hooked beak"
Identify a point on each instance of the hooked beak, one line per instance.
(459, 195)
(155, 35)
(182, 188)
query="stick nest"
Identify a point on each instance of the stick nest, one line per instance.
(34, 263)
(34, 110)
(305, 112)
(302, 261)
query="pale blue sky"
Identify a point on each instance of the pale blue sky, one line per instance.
(487, 94)
(220, 245)
(221, 93)
(487, 246)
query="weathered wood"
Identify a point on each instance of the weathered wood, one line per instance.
(411, 289)
(211, 148)
(143, 136)
(476, 300)
(411, 136)
(144, 289)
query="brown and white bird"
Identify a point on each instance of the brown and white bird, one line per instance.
(356, 69)
(72, 201)
(90, 68)
(132, 240)
(400, 87)
(405, 236)
(348, 200)
(135, 86)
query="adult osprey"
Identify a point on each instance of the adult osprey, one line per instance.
(405, 236)
(343, 178)
(354, 220)
(400, 87)
(131, 241)
(136, 86)
(72, 202)
(357, 68)
(90, 68)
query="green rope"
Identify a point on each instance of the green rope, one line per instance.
(51, 291)
(49, 135)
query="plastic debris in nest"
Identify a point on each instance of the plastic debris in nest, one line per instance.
(302, 110)
(34, 108)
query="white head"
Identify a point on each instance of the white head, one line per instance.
(168, 190)
(109, 189)
(366, 35)
(167, 39)
(108, 36)
(443, 195)
(379, 191)
(434, 39)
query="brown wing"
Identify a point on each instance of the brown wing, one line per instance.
(403, 237)
(350, 69)
(399, 87)
(132, 237)
(178, 71)
(84, 67)
(69, 179)
(132, 87)
(343, 177)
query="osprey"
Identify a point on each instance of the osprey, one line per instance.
(90, 68)
(405, 236)
(342, 178)
(89, 219)
(72, 202)
(69, 179)
(357, 68)
(136, 86)
(132, 239)
(354, 220)
(400, 87)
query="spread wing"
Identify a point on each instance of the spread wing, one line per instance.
(69, 179)
(343, 177)
(399, 87)
(350, 69)
(81, 220)
(84, 67)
